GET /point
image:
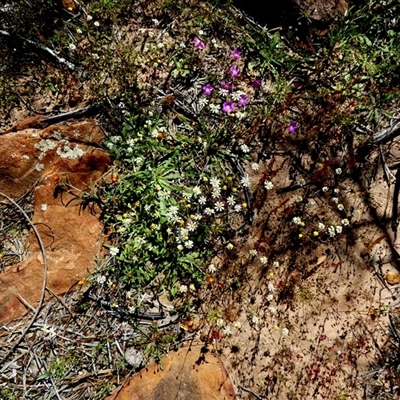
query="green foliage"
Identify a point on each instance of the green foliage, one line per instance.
(7, 394)
(59, 367)
(153, 205)
(106, 390)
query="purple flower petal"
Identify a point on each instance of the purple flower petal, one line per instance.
(243, 100)
(292, 127)
(198, 43)
(257, 83)
(234, 71)
(236, 54)
(226, 85)
(207, 89)
(228, 107)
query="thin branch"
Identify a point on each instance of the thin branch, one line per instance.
(70, 114)
(25, 303)
(43, 47)
(250, 391)
(61, 301)
(386, 134)
(45, 269)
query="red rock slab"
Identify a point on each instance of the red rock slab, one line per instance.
(72, 236)
(24, 124)
(188, 374)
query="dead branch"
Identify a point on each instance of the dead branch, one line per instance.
(250, 391)
(40, 46)
(386, 134)
(70, 114)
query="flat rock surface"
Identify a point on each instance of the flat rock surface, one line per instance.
(35, 160)
(190, 373)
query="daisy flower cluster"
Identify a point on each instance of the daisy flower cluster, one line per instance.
(200, 203)
(271, 299)
(330, 226)
(227, 328)
(49, 332)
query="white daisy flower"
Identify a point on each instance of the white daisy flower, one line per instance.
(238, 208)
(183, 288)
(202, 200)
(196, 191)
(244, 148)
(297, 220)
(227, 330)
(231, 201)
(215, 109)
(189, 244)
(215, 182)
(211, 268)
(219, 206)
(268, 185)
(114, 251)
(245, 181)
(263, 260)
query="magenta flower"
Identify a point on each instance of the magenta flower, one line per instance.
(228, 107)
(207, 89)
(257, 83)
(243, 100)
(226, 85)
(234, 71)
(198, 43)
(236, 54)
(292, 127)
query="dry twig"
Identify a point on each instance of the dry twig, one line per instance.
(42, 47)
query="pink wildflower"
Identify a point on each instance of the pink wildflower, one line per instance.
(207, 89)
(234, 71)
(198, 43)
(228, 107)
(243, 100)
(257, 83)
(236, 54)
(226, 85)
(292, 127)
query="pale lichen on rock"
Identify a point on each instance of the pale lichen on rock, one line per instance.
(69, 152)
(45, 145)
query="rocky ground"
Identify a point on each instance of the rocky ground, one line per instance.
(303, 305)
